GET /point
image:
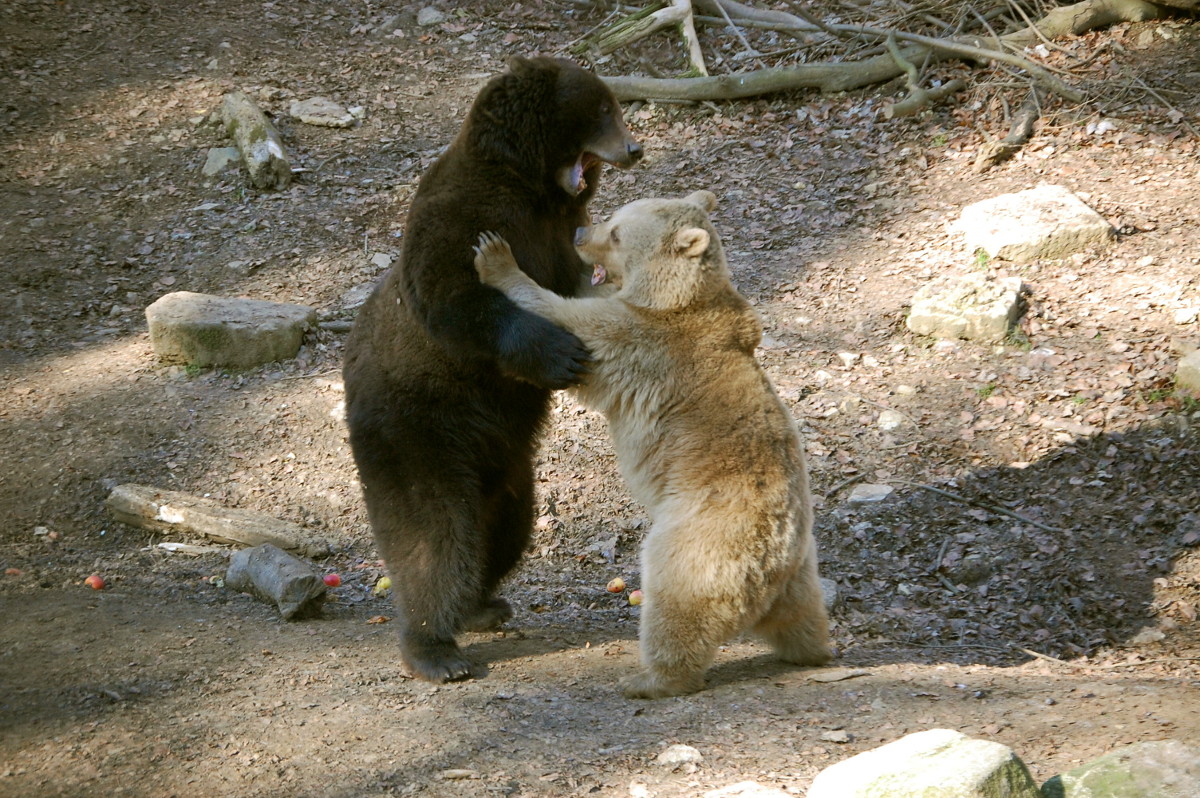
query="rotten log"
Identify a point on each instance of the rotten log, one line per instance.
(158, 510)
(258, 141)
(1082, 17)
(271, 574)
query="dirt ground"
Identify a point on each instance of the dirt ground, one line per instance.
(1046, 490)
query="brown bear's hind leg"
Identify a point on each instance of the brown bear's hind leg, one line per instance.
(424, 510)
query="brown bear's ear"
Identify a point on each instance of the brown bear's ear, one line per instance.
(705, 200)
(519, 65)
(691, 242)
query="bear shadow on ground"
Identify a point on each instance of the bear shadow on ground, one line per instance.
(927, 576)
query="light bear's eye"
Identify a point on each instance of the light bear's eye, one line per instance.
(614, 237)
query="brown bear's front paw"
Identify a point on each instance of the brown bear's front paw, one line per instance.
(647, 684)
(493, 257)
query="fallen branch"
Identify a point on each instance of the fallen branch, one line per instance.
(991, 508)
(846, 76)
(740, 13)
(827, 77)
(996, 152)
(918, 98)
(644, 23)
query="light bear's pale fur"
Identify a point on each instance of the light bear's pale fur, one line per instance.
(701, 438)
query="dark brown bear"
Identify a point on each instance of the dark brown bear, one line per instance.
(447, 381)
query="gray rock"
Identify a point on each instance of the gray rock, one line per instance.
(357, 295)
(1160, 769)
(430, 16)
(205, 330)
(973, 306)
(829, 593)
(322, 112)
(220, 159)
(938, 763)
(678, 755)
(868, 493)
(890, 420)
(1043, 222)
(1187, 374)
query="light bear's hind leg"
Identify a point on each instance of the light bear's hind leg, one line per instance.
(677, 646)
(693, 604)
(796, 625)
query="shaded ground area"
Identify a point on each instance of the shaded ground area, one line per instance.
(166, 684)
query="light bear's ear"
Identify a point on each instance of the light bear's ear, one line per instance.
(691, 242)
(704, 200)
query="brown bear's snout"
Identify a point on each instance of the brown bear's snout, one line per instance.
(634, 150)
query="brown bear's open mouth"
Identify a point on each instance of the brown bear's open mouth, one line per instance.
(573, 178)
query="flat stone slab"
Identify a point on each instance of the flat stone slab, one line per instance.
(972, 306)
(939, 763)
(206, 330)
(1187, 376)
(1043, 222)
(1162, 769)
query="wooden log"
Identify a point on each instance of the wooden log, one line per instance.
(260, 143)
(271, 574)
(146, 507)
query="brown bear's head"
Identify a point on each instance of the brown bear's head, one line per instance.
(662, 252)
(551, 120)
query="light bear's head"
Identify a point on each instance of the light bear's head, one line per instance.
(662, 252)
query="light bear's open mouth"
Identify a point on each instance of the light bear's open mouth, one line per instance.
(599, 273)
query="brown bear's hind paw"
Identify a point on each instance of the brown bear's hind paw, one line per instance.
(439, 662)
(489, 615)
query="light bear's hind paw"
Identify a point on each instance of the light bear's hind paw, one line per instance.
(648, 684)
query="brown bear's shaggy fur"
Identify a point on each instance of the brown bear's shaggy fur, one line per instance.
(448, 381)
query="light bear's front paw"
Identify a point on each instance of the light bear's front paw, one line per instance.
(493, 257)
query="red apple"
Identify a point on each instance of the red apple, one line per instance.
(95, 582)
(635, 597)
(616, 585)
(333, 580)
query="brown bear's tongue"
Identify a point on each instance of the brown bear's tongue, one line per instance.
(579, 170)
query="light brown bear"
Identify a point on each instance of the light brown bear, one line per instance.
(701, 438)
